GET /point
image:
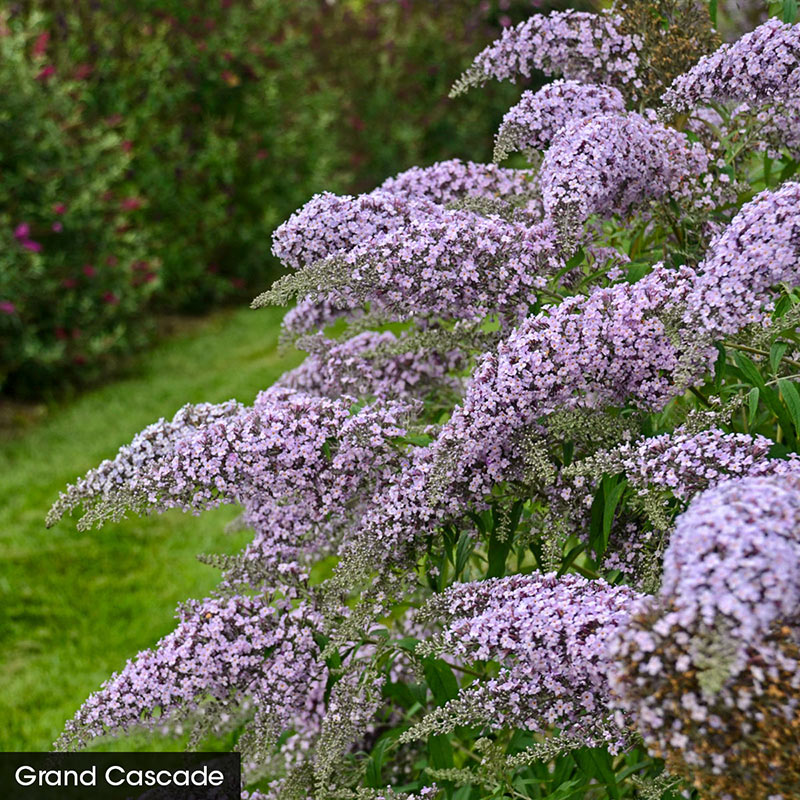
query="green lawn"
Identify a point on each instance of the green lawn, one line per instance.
(74, 606)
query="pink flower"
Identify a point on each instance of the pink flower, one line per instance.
(261, 155)
(110, 298)
(22, 230)
(46, 72)
(29, 244)
(112, 261)
(57, 227)
(127, 145)
(7, 307)
(69, 283)
(83, 71)
(59, 208)
(131, 203)
(40, 45)
(89, 271)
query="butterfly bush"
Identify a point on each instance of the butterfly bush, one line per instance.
(590, 48)
(528, 509)
(218, 652)
(535, 120)
(710, 668)
(549, 636)
(760, 67)
(609, 163)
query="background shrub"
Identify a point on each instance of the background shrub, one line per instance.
(185, 132)
(74, 268)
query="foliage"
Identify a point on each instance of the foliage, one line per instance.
(73, 274)
(525, 523)
(177, 135)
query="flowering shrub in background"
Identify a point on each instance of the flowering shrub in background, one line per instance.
(189, 130)
(76, 266)
(526, 523)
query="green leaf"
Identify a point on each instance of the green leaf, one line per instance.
(409, 643)
(776, 353)
(570, 558)
(441, 680)
(576, 259)
(440, 751)
(789, 10)
(749, 370)
(567, 448)
(719, 367)
(498, 553)
(791, 397)
(612, 493)
(789, 170)
(596, 763)
(769, 396)
(752, 403)
(463, 551)
(375, 763)
(712, 12)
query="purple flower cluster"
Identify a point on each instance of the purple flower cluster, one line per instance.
(590, 48)
(447, 182)
(687, 463)
(357, 368)
(762, 65)
(549, 636)
(295, 463)
(533, 122)
(735, 554)
(442, 264)
(605, 349)
(758, 250)
(610, 163)
(222, 650)
(709, 671)
(329, 224)
(152, 443)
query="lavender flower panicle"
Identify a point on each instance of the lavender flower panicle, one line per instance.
(533, 122)
(589, 48)
(710, 670)
(441, 264)
(763, 65)
(549, 636)
(353, 368)
(147, 446)
(609, 163)
(329, 224)
(221, 651)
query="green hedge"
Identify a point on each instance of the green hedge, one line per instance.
(150, 148)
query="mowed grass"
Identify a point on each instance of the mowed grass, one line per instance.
(74, 606)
